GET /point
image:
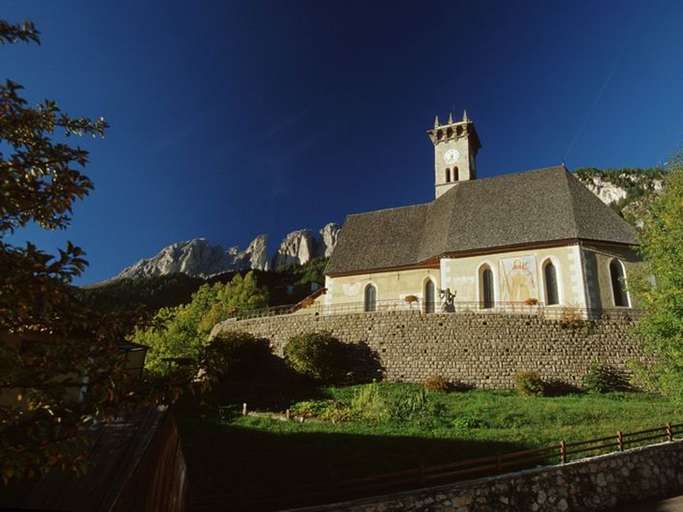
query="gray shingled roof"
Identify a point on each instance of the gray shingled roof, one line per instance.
(541, 205)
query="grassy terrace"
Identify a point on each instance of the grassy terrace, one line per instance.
(247, 459)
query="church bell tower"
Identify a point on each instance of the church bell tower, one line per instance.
(456, 144)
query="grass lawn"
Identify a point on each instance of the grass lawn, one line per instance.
(253, 458)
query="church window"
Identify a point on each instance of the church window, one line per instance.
(448, 175)
(429, 297)
(449, 133)
(370, 302)
(550, 278)
(487, 299)
(439, 134)
(618, 278)
(456, 174)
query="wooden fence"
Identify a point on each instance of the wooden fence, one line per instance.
(427, 476)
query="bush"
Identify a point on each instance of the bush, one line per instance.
(602, 378)
(529, 384)
(233, 355)
(319, 356)
(370, 404)
(436, 383)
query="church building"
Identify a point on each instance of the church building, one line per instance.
(533, 239)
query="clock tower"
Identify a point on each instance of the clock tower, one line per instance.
(456, 144)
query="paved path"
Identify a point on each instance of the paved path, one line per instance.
(670, 505)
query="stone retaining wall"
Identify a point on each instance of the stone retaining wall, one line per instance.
(599, 483)
(479, 349)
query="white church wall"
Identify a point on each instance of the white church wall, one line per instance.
(524, 268)
(596, 261)
(392, 286)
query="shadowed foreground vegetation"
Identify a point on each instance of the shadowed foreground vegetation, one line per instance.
(254, 459)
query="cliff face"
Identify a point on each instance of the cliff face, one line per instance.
(301, 246)
(327, 239)
(297, 248)
(199, 258)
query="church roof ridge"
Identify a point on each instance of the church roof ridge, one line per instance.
(391, 208)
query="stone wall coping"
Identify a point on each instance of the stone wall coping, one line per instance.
(490, 480)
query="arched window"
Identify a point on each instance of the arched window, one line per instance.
(370, 302)
(550, 278)
(456, 174)
(448, 175)
(616, 271)
(486, 296)
(429, 296)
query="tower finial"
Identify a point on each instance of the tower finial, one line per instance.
(436, 121)
(450, 118)
(464, 116)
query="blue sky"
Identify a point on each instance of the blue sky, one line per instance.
(233, 119)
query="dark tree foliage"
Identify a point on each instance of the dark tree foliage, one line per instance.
(50, 342)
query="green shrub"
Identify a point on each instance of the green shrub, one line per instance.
(436, 383)
(369, 403)
(409, 405)
(319, 356)
(233, 355)
(372, 402)
(602, 378)
(529, 384)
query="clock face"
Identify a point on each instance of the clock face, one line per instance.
(451, 156)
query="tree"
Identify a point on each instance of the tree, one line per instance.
(240, 294)
(40, 179)
(660, 285)
(182, 331)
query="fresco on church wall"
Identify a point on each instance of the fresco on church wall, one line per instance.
(518, 279)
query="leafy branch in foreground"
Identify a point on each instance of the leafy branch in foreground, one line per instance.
(61, 367)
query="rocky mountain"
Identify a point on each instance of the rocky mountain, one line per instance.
(297, 247)
(628, 191)
(328, 239)
(198, 257)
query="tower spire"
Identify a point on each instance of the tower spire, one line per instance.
(436, 121)
(464, 116)
(450, 118)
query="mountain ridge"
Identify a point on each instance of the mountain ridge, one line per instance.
(197, 257)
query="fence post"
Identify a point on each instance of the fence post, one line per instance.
(563, 452)
(244, 409)
(669, 432)
(620, 441)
